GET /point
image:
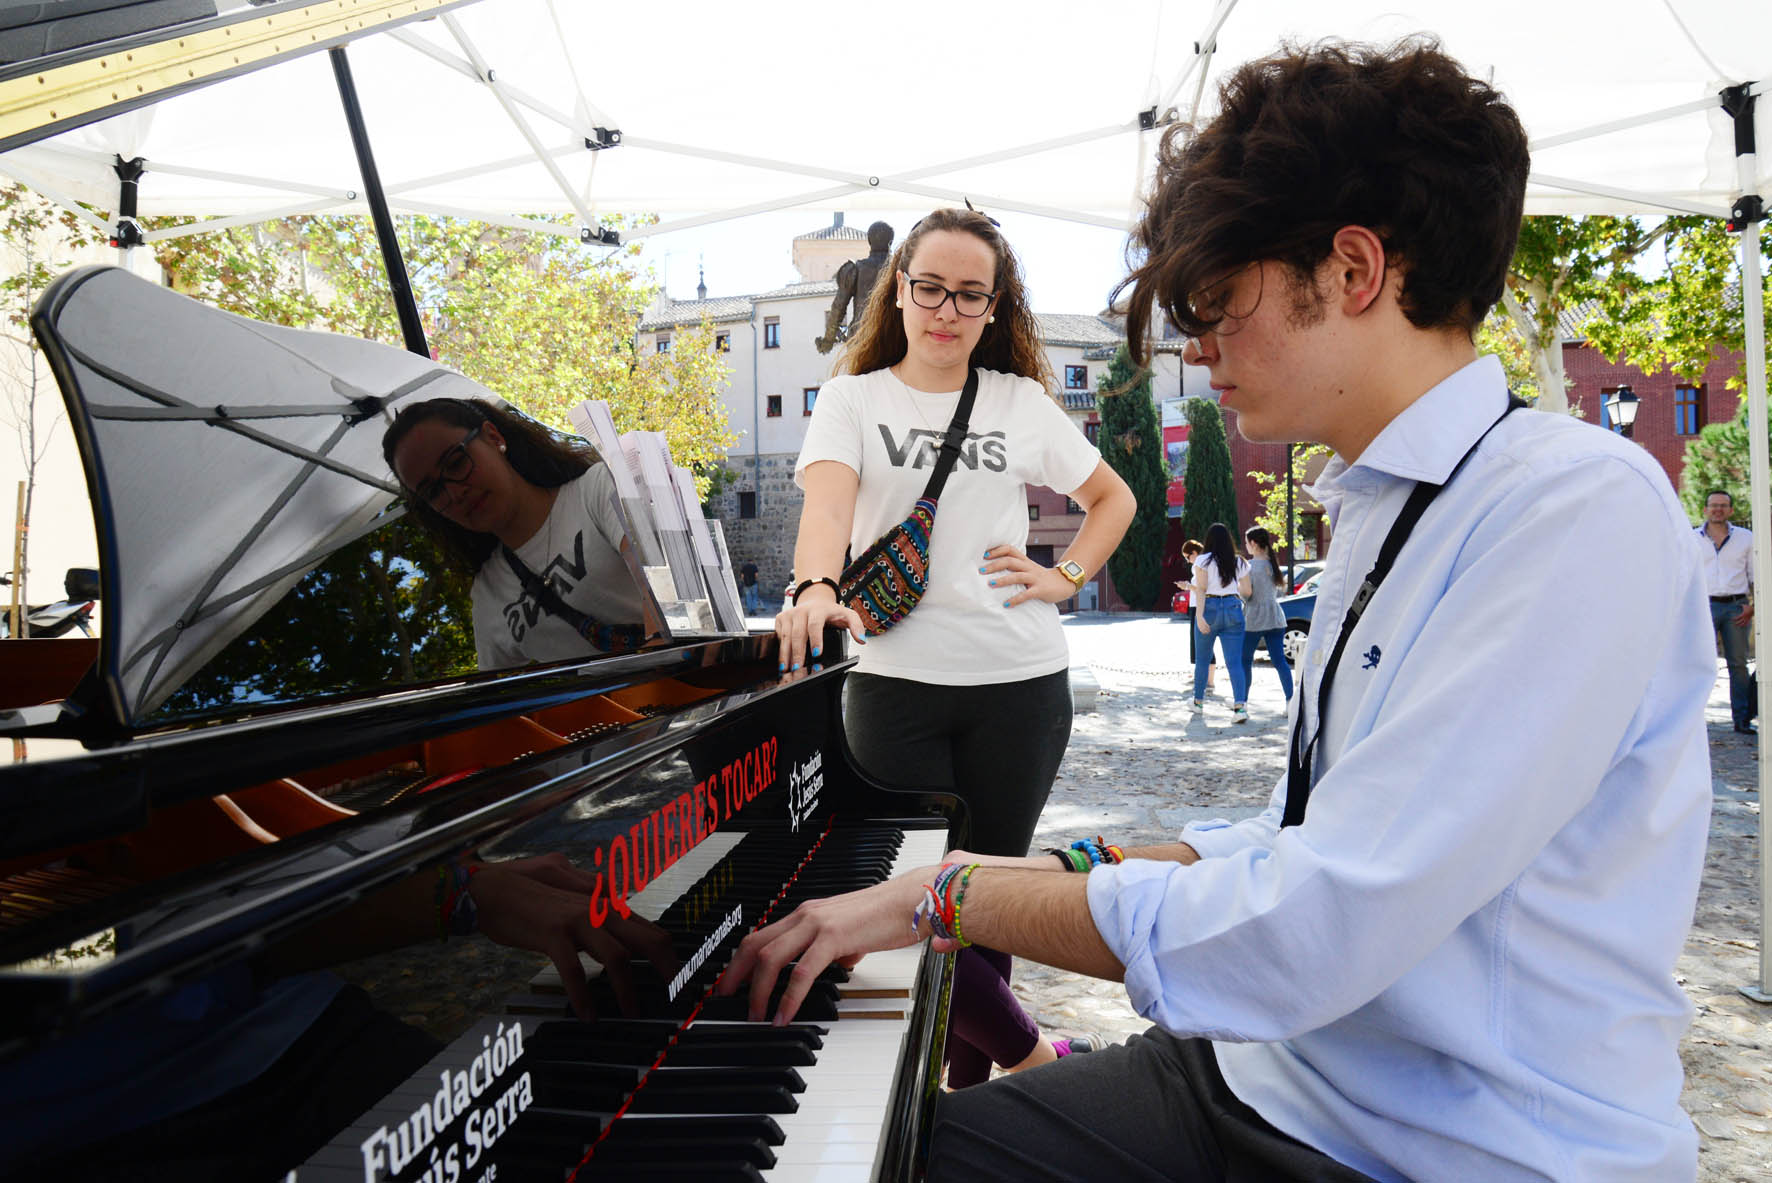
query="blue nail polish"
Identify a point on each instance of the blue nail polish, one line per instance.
(782, 668)
(1005, 603)
(981, 571)
(817, 652)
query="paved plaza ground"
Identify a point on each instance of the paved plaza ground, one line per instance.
(1140, 765)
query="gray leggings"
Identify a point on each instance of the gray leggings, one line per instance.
(997, 746)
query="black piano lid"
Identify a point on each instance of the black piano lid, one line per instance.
(49, 803)
(187, 925)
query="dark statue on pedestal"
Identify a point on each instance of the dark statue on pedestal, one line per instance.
(855, 280)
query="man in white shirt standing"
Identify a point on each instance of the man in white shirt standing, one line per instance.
(1727, 553)
(1458, 962)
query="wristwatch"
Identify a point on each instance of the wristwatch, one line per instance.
(1073, 571)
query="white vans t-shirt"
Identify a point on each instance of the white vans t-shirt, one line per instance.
(959, 634)
(579, 549)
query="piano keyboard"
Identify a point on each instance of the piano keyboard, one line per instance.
(730, 1099)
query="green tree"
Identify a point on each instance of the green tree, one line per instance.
(1559, 264)
(1272, 517)
(1718, 459)
(1210, 484)
(1131, 441)
(1681, 318)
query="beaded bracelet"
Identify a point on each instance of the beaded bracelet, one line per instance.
(1083, 854)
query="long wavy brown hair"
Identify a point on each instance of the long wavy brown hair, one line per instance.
(542, 456)
(1010, 344)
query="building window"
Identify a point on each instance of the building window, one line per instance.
(1688, 409)
(807, 398)
(1071, 506)
(747, 504)
(662, 344)
(772, 406)
(1076, 377)
(1033, 513)
(722, 342)
(772, 332)
(1092, 431)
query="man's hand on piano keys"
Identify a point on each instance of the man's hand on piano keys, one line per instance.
(542, 904)
(818, 933)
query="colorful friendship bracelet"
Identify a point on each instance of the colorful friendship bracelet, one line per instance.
(940, 905)
(1083, 854)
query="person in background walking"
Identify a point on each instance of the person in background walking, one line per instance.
(1221, 580)
(1727, 553)
(1263, 619)
(1190, 550)
(753, 599)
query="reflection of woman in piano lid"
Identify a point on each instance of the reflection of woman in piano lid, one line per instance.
(971, 689)
(534, 518)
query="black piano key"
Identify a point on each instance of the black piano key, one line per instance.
(697, 1172)
(669, 1079)
(716, 1098)
(731, 1125)
(687, 1149)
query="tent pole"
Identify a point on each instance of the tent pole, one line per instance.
(411, 328)
(1748, 215)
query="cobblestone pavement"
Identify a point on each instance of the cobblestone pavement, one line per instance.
(1141, 765)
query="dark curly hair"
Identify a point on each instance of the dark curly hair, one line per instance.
(543, 457)
(1011, 345)
(1397, 139)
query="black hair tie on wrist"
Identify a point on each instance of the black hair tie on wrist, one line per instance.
(806, 583)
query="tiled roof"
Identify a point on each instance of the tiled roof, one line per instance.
(680, 313)
(822, 287)
(829, 232)
(1063, 328)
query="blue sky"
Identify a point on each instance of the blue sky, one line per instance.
(1069, 267)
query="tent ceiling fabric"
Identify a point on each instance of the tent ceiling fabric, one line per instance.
(931, 99)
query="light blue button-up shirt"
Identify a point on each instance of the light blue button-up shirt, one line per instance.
(1461, 965)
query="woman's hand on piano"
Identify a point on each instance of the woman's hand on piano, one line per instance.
(543, 904)
(819, 933)
(800, 627)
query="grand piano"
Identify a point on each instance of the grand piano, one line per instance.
(315, 904)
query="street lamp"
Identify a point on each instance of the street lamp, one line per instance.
(1621, 410)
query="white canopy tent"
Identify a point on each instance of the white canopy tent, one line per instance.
(703, 112)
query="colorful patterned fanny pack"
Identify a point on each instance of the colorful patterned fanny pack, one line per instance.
(888, 579)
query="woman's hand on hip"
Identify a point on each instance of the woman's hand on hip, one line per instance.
(801, 626)
(1020, 579)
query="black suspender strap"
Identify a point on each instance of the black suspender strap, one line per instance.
(954, 439)
(1298, 769)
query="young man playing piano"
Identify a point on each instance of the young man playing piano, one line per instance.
(1459, 963)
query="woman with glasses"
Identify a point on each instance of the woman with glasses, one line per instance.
(532, 517)
(971, 690)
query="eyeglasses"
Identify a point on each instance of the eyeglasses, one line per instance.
(454, 466)
(930, 295)
(1216, 302)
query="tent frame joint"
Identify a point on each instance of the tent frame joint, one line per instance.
(1748, 211)
(603, 137)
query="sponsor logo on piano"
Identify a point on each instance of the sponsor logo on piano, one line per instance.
(805, 780)
(473, 1107)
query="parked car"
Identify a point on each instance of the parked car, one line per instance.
(1299, 610)
(1305, 573)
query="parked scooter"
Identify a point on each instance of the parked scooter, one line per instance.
(53, 620)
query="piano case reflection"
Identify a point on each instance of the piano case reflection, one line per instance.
(289, 891)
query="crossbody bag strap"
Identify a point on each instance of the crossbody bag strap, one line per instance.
(954, 439)
(1302, 755)
(604, 636)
